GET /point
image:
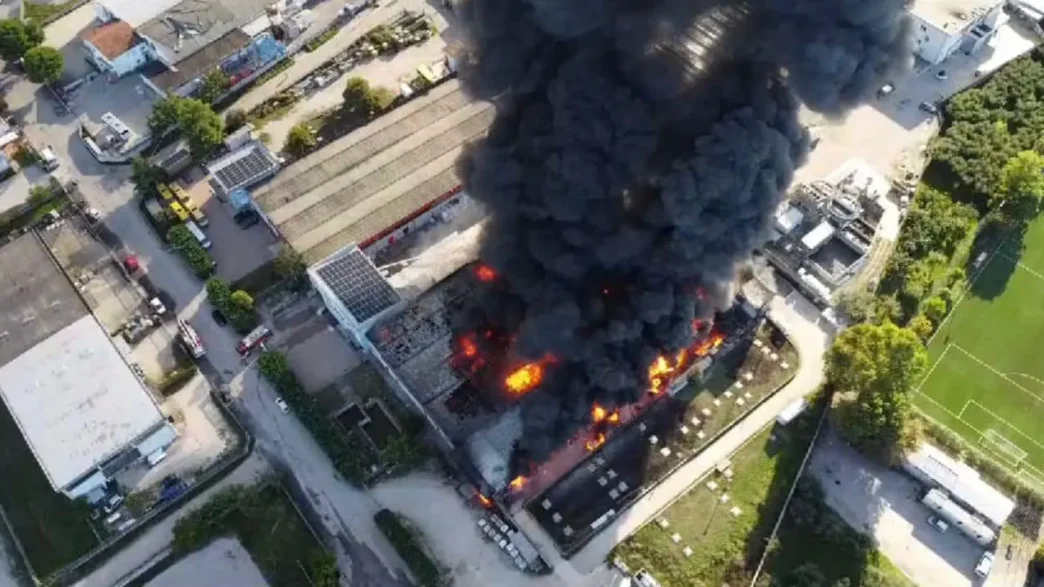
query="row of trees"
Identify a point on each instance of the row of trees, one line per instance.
(23, 40)
(237, 306)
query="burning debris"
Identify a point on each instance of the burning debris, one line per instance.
(638, 152)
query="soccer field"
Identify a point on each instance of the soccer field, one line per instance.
(986, 362)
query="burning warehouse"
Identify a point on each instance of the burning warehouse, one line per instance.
(637, 153)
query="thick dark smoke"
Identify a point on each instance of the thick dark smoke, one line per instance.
(639, 149)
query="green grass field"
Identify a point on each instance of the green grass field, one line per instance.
(986, 374)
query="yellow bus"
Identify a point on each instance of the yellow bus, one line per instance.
(179, 193)
(179, 211)
(165, 192)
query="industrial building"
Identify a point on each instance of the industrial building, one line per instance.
(175, 43)
(941, 28)
(84, 414)
(958, 494)
(825, 229)
(357, 187)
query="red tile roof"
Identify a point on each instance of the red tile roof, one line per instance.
(112, 39)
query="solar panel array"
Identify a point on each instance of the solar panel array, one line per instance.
(246, 170)
(357, 283)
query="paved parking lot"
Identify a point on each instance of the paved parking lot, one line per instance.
(316, 351)
(128, 98)
(238, 251)
(884, 503)
(892, 132)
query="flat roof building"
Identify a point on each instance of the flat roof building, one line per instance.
(374, 177)
(962, 483)
(74, 398)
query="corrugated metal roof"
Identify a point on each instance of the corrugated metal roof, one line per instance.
(960, 481)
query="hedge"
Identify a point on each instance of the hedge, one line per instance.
(351, 456)
(220, 296)
(175, 380)
(409, 548)
(197, 257)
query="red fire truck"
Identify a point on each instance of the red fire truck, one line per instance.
(256, 338)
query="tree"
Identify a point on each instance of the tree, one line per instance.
(289, 264)
(164, 115)
(921, 326)
(360, 99)
(44, 65)
(874, 368)
(145, 176)
(866, 306)
(935, 309)
(214, 84)
(241, 302)
(300, 140)
(235, 119)
(1021, 186)
(17, 38)
(202, 127)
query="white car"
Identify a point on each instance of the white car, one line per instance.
(985, 564)
(938, 523)
(282, 404)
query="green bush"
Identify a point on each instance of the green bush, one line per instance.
(188, 247)
(351, 456)
(175, 380)
(237, 305)
(320, 40)
(408, 546)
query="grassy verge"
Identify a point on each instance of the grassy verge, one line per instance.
(321, 40)
(44, 13)
(409, 546)
(350, 454)
(265, 522)
(52, 529)
(725, 547)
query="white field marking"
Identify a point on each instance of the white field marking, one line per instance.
(965, 292)
(971, 445)
(1012, 463)
(999, 374)
(1028, 376)
(942, 407)
(1002, 445)
(934, 365)
(1008, 424)
(1023, 267)
(960, 414)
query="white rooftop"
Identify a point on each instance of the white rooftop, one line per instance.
(818, 235)
(137, 12)
(962, 482)
(950, 15)
(75, 400)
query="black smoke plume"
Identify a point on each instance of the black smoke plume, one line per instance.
(639, 150)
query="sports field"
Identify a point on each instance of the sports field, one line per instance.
(986, 374)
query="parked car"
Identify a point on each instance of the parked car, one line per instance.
(218, 317)
(247, 218)
(92, 214)
(885, 90)
(938, 523)
(282, 404)
(112, 503)
(929, 108)
(941, 75)
(985, 564)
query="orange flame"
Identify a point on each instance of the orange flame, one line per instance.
(593, 444)
(705, 346)
(468, 347)
(525, 377)
(614, 418)
(517, 483)
(598, 413)
(485, 273)
(485, 501)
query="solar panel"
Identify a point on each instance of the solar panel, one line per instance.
(357, 283)
(246, 170)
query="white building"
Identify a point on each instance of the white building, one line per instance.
(942, 27)
(961, 484)
(82, 411)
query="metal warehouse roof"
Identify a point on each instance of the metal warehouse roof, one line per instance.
(377, 175)
(960, 481)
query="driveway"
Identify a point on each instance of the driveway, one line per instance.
(883, 503)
